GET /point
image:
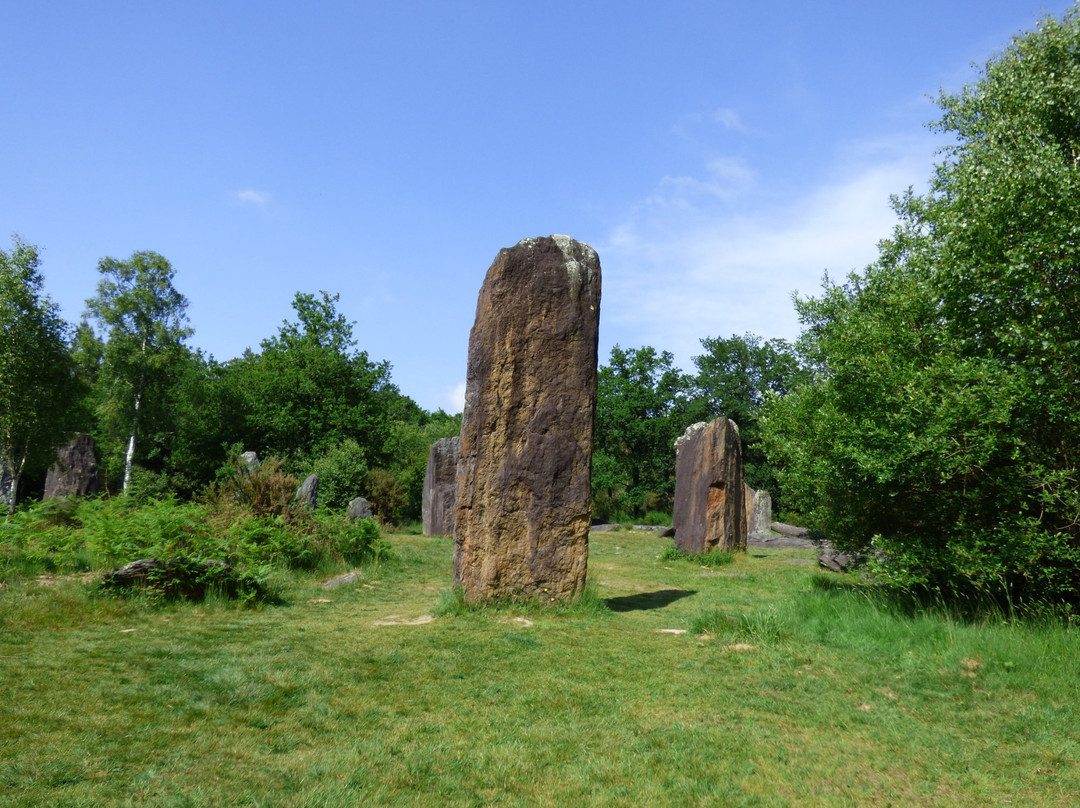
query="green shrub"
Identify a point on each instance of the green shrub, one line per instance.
(657, 518)
(342, 475)
(359, 541)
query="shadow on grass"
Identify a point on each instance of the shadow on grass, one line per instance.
(648, 600)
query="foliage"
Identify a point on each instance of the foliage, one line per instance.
(184, 577)
(942, 423)
(342, 472)
(360, 540)
(143, 317)
(309, 389)
(643, 404)
(37, 388)
(734, 378)
(408, 448)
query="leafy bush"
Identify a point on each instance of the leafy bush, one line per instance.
(657, 518)
(342, 474)
(387, 495)
(941, 425)
(359, 541)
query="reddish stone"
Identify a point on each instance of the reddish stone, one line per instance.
(709, 509)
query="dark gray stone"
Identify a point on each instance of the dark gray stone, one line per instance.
(359, 508)
(308, 492)
(75, 472)
(831, 559)
(440, 487)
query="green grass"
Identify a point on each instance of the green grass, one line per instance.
(788, 688)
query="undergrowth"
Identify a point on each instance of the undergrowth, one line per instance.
(713, 558)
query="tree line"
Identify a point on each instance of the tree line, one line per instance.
(928, 417)
(165, 416)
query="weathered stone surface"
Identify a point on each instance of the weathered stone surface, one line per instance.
(250, 461)
(831, 559)
(523, 497)
(759, 513)
(359, 508)
(440, 487)
(75, 472)
(308, 492)
(789, 530)
(709, 510)
(176, 577)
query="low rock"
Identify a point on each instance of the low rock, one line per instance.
(182, 578)
(359, 508)
(249, 461)
(789, 530)
(831, 559)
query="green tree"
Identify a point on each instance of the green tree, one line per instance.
(643, 404)
(38, 387)
(309, 389)
(143, 319)
(734, 378)
(943, 421)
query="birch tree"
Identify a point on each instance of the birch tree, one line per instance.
(143, 320)
(37, 386)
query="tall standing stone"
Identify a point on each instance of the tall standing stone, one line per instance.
(709, 498)
(759, 513)
(440, 487)
(75, 472)
(523, 495)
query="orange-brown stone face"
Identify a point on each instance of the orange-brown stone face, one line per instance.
(524, 494)
(709, 509)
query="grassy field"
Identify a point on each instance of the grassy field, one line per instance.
(786, 687)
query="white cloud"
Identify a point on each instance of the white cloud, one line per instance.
(454, 398)
(249, 196)
(715, 255)
(729, 119)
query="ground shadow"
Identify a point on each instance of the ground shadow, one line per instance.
(648, 600)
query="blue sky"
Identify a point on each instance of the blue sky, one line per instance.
(719, 156)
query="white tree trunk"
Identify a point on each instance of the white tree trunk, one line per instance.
(8, 487)
(130, 454)
(9, 484)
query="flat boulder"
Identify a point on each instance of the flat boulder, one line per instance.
(523, 485)
(709, 511)
(439, 505)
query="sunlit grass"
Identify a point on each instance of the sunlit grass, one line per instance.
(782, 690)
